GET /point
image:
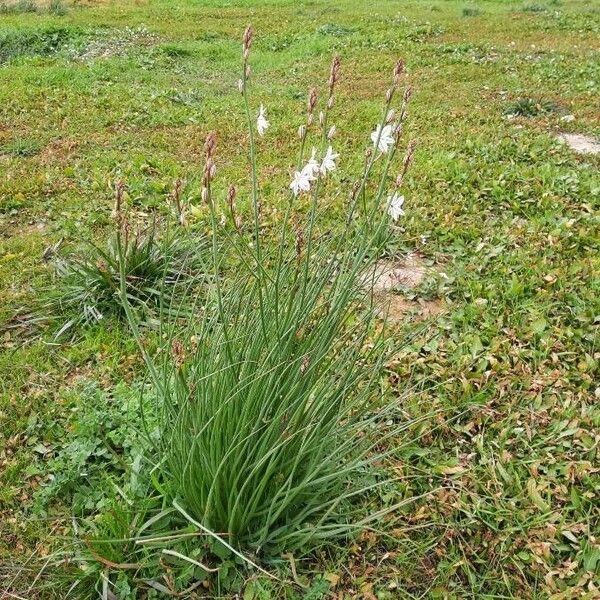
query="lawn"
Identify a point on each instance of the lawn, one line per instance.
(498, 371)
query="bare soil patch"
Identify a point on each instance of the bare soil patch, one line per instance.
(389, 278)
(390, 275)
(395, 308)
(583, 144)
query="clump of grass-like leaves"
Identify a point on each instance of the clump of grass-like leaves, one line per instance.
(268, 419)
(154, 261)
(534, 8)
(471, 11)
(530, 107)
(57, 7)
(21, 6)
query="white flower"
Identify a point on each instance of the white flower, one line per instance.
(328, 163)
(385, 138)
(261, 122)
(312, 166)
(395, 203)
(301, 182)
(302, 179)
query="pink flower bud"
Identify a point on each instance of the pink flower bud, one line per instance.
(248, 34)
(312, 100)
(398, 70)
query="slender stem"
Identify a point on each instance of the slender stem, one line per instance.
(282, 241)
(255, 196)
(314, 203)
(216, 271)
(255, 201)
(131, 319)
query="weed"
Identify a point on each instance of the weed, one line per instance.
(534, 8)
(87, 288)
(21, 6)
(34, 42)
(21, 147)
(175, 51)
(189, 98)
(530, 107)
(57, 7)
(103, 442)
(471, 12)
(112, 42)
(334, 29)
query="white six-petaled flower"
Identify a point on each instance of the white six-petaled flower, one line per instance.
(261, 122)
(301, 182)
(383, 138)
(328, 163)
(395, 203)
(312, 166)
(302, 179)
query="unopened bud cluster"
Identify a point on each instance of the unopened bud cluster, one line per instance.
(117, 213)
(231, 194)
(246, 45)
(178, 202)
(210, 167)
(334, 74)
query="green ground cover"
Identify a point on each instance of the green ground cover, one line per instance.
(503, 460)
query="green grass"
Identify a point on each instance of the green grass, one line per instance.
(510, 369)
(22, 6)
(158, 264)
